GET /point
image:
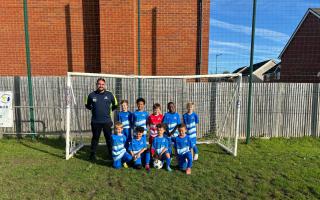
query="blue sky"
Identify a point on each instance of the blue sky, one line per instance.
(230, 30)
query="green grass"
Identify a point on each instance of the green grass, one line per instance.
(265, 169)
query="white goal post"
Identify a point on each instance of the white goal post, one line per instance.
(216, 98)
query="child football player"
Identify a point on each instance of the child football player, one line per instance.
(154, 119)
(172, 120)
(138, 150)
(119, 153)
(125, 116)
(160, 146)
(190, 119)
(182, 144)
(140, 117)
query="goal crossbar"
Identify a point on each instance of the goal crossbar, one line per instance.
(154, 77)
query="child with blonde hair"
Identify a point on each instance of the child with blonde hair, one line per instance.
(191, 119)
(119, 153)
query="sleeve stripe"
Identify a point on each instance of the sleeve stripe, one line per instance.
(115, 100)
(114, 97)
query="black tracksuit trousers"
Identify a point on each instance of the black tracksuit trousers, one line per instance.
(96, 131)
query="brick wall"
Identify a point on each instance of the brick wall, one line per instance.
(101, 36)
(118, 36)
(301, 60)
(56, 37)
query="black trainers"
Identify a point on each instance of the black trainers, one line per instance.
(93, 157)
(138, 166)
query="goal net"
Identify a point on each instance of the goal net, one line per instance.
(216, 99)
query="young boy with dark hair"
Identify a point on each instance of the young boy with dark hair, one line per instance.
(182, 144)
(138, 150)
(119, 153)
(125, 117)
(172, 120)
(140, 117)
(190, 119)
(160, 146)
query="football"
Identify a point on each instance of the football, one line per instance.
(157, 164)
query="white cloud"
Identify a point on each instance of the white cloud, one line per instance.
(260, 32)
(261, 49)
(229, 44)
(224, 51)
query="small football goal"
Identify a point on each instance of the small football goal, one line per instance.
(216, 98)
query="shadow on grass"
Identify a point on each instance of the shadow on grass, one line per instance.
(102, 155)
(59, 144)
(216, 151)
(212, 149)
(21, 141)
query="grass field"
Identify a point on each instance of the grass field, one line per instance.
(265, 169)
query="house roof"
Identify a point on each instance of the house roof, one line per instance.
(273, 69)
(256, 66)
(245, 71)
(239, 70)
(314, 11)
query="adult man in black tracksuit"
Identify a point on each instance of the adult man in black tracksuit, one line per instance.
(101, 103)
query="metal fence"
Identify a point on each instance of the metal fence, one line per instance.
(279, 109)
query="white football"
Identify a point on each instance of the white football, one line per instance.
(157, 164)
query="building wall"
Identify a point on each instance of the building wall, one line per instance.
(101, 36)
(301, 60)
(50, 22)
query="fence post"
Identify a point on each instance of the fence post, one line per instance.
(17, 102)
(26, 32)
(315, 110)
(251, 69)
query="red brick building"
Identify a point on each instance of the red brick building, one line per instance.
(300, 59)
(101, 36)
